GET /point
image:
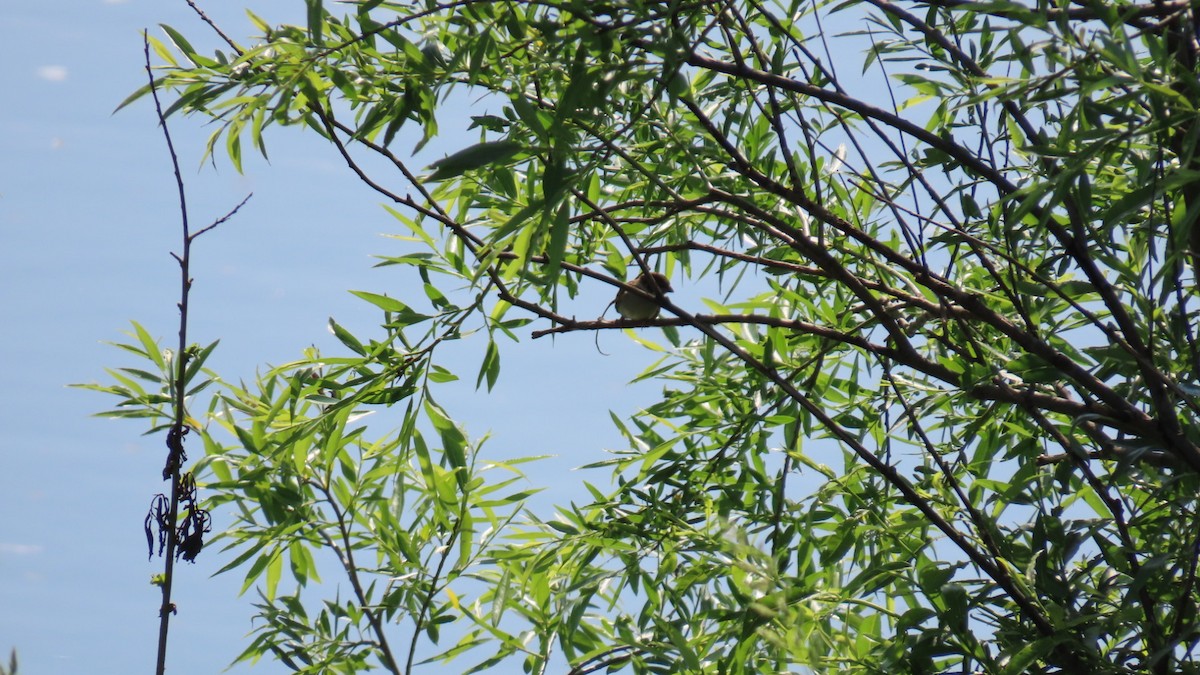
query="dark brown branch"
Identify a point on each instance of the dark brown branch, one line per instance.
(216, 29)
(1132, 14)
(1118, 453)
(175, 455)
(182, 486)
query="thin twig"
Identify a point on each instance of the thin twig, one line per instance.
(175, 437)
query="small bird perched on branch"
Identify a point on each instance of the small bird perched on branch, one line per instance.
(635, 307)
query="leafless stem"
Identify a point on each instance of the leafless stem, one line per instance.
(175, 437)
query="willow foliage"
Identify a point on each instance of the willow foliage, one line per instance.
(942, 416)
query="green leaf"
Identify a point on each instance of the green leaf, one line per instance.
(274, 573)
(1024, 660)
(490, 368)
(454, 443)
(316, 21)
(516, 220)
(180, 43)
(150, 346)
(557, 249)
(440, 375)
(686, 652)
(474, 157)
(137, 94)
(401, 314)
(425, 462)
(347, 338)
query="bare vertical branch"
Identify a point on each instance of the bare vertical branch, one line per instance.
(175, 452)
(181, 539)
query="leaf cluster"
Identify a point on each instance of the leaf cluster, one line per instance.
(935, 410)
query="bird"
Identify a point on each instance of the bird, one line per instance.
(637, 307)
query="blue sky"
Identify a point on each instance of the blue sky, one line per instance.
(88, 216)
